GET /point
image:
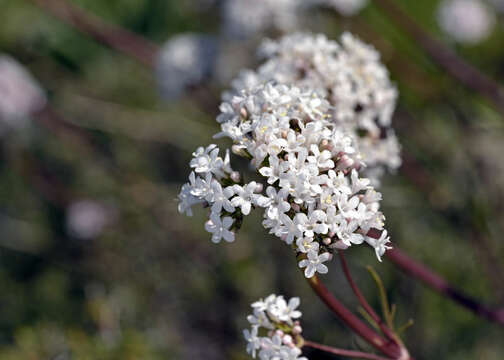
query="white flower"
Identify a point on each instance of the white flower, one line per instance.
(253, 342)
(275, 203)
(207, 160)
(220, 198)
(289, 229)
(306, 244)
(380, 244)
(346, 233)
(219, 228)
(314, 263)
(245, 196)
(283, 311)
(312, 224)
(187, 200)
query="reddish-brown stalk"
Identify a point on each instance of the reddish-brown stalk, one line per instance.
(458, 68)
(343, 352)
(384, 329)
(386, 347)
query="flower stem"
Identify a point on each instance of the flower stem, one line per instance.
(437, 283)
(343, 352)
(385, 330)
(388, 348)
(459, 69)
(112, 36)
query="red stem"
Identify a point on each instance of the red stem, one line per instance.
(343, 352)
(113, 36)
(437, 283)
(386, 347)
(459, 69)
(362, 300)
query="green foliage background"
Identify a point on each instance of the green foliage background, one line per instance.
(152, 285)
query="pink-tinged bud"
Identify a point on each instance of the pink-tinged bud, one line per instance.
(243, 113)
(287, 340)
(345, 162)
(327, 241)
(324, 143)
(283, 237)
(296, 330)
(235, 176)
(283, 134)
(279, 333)
(295, 207)
(340, 245)
(259, 188)
(286, 157)
(331, 234)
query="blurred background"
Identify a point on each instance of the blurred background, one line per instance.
(96, 132)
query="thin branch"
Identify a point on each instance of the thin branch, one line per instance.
(437, 283)
(362, 300)
(459, 69)
(386, 347)
(113, 36)
(343, 352)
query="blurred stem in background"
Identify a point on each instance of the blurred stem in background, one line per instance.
(466, 74)
(144, 51)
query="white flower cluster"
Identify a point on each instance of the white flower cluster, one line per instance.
(466, 21)
(183, 61)
(350, 76)
(315, 199)
(275, 332)
(215, 184)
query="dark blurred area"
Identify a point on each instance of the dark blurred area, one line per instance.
(97, 263)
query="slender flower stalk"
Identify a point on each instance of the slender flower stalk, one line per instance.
(388, 348)
(421, 272)
(343, 352)
(385, 330)
(117, 38)
(458, 68)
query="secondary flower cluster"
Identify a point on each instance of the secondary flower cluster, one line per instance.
(275, 331)
(350, 76)
(315, 200)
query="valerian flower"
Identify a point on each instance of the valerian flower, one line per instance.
(280, 319)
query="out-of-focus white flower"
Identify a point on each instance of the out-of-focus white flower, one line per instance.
(86, 219)
(280, 319)
(243, 18)
(20, 94)
(184, 60)
(466, 21)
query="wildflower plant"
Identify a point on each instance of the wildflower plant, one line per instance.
(303, 121)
